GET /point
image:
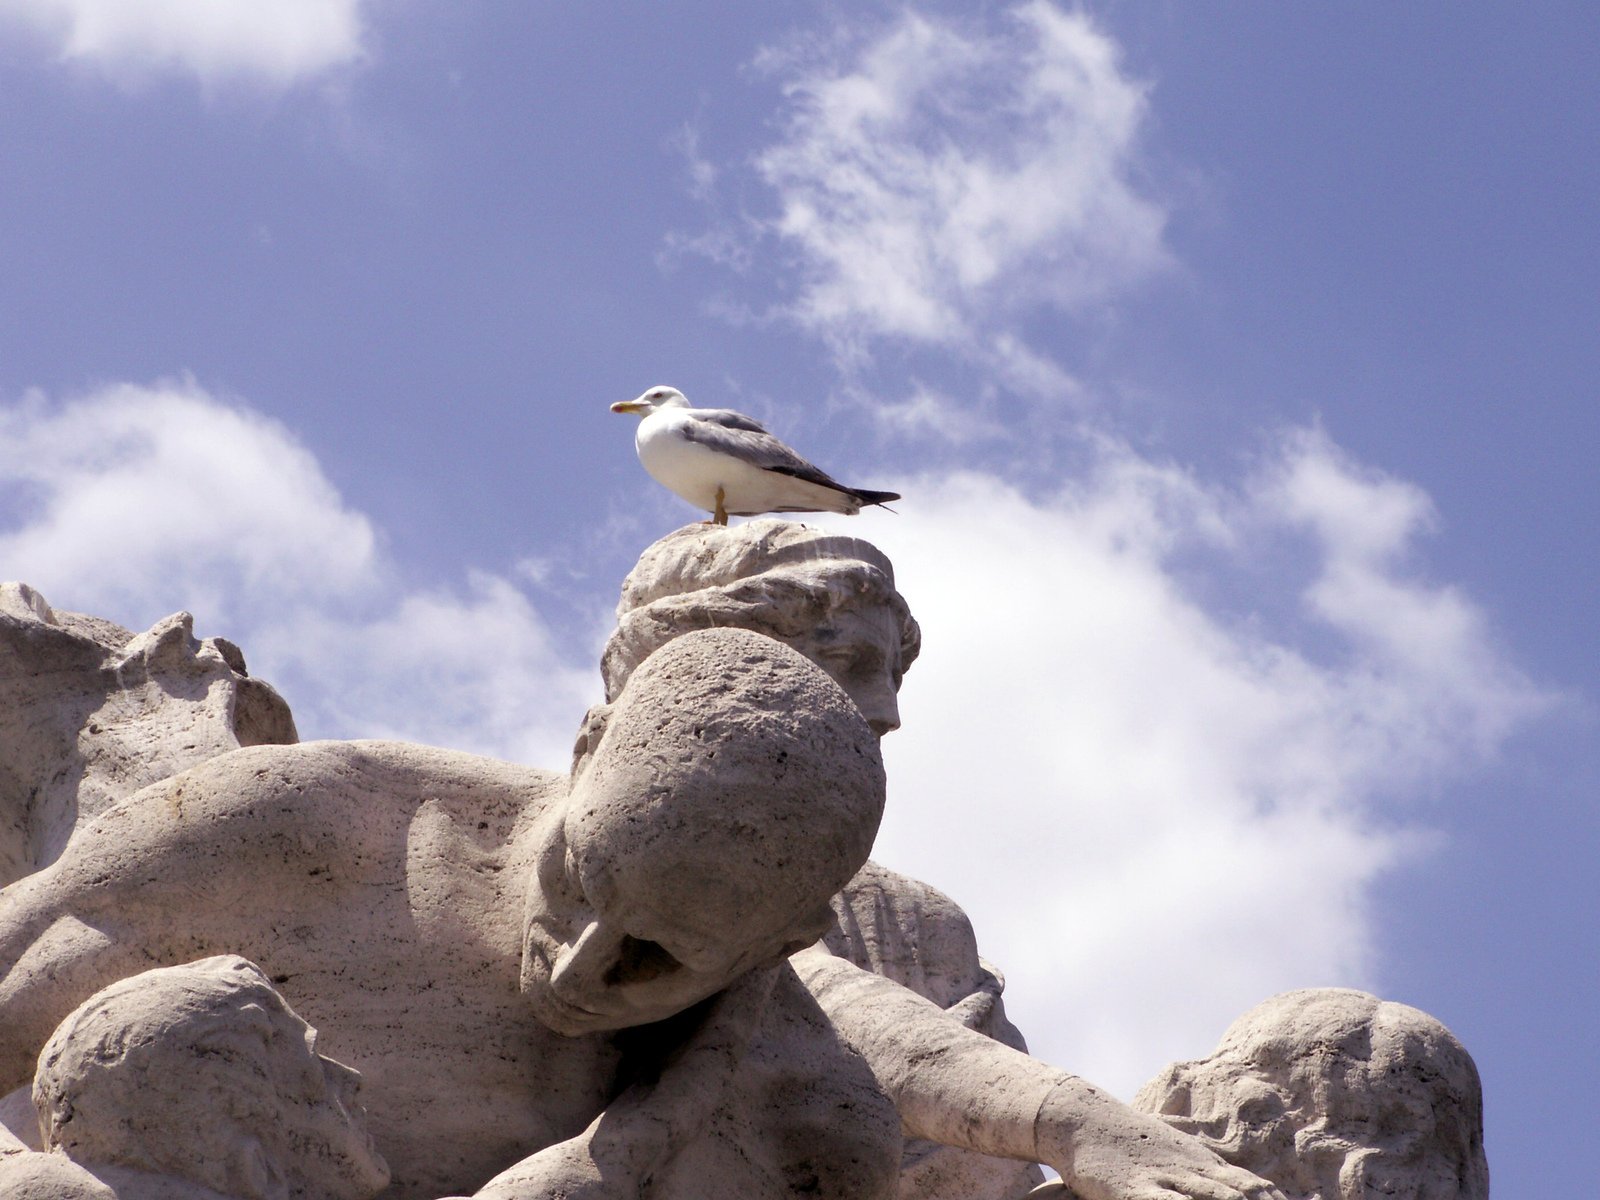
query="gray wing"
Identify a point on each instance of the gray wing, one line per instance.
(728, 419)
(743, 437)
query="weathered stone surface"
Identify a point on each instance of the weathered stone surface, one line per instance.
(394, 893)
(90, 713)
(717, 717)
(1334, 1094)
(194, 1081)
(833, 599)
(917, 936)
(596, 985)
(375, 884)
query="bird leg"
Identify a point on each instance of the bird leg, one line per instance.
(720, 517)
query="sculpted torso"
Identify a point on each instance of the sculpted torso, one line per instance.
(505, 954)
(374, 885)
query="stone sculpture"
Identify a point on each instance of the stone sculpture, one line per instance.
(193, 1081)
(384, 888)
(611, 983)
(90, 713)
(1335, 1094)
(833, 598)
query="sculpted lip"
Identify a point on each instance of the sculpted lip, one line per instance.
(563, 1002)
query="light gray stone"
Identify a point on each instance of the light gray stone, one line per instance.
(1335, 1094)
(384, 889)
(918, 937)
(605, 984)
(833, 598)
(90, 713)
(194, 1081)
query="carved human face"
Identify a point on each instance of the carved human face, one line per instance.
(586, 969)
(203, 1072)
(1388, 1129)
(1336, 1127)
(318, 1138)
(325, 1128)
(858, 645)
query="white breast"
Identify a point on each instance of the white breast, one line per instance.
(695, 473)
(680, 465)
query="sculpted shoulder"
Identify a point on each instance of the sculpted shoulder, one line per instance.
(324, 816)
(320, 792)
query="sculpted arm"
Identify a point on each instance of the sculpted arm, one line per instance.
(169, 875)
(958, 1087)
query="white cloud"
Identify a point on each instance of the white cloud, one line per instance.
(942, 175)
(165, 494)
(274, 41)
(480, 672)
(133, 502)
(1157, 815)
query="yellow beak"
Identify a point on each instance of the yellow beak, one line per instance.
(629, 406)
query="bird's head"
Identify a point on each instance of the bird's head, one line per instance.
(652, 399)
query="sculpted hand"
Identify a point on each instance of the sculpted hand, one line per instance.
(1106, 1151)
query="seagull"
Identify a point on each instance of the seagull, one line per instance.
(729, 465)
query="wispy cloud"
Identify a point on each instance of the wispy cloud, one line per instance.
(1157, 813)
(935, 177)
(928, 413)
(278, 43)
(136, 501)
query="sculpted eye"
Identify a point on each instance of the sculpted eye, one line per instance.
(835, 662)
(639, 961)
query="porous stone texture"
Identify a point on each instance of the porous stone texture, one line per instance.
(196, 1080)
(833, 598)
(728, 714)
(383, 886)
(374, 883)
(1334, 1094)
(668, 974)
(91, 712)
(904, 930)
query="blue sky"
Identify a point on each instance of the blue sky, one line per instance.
(1237, 363)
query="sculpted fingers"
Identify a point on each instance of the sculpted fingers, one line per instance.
(1221, 1183)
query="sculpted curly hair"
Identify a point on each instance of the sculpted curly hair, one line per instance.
(779, 578)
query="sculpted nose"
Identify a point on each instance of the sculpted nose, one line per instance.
(580, 968)
(880, 707)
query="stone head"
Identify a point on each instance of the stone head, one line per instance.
(828, 596)
(734, 790)
(204, 1073)
(1334, 1094)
